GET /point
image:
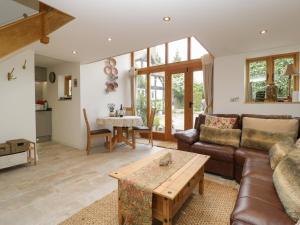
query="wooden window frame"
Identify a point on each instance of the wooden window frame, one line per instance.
(66, 90)
(270, 70)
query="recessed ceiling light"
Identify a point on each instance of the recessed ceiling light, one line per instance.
(166, 18)
(263, 32)
(109, 39)
(74, 52)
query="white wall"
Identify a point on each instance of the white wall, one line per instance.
(17, 98)
(66, 115)
(229, 79)
(93, 95)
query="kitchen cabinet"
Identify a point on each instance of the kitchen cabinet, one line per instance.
(43, 125)
(40, 74)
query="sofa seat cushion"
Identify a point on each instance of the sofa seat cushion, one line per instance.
(257, 212)
(257, 166)
(242, 153)
(216, 152)
(262, 190)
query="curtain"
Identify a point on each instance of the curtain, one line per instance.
(207, 66)
(132, 74)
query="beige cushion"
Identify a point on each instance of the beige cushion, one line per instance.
(262, 140)
(213, 135)
(297, 143)
(278, 151)
(290, 126)
(219, 122)
(286, 178)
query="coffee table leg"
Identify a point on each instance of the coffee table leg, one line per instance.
(120, 217)
(167, 211)
(201, 182)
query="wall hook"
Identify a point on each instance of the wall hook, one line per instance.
(24, 65)
(10, 75)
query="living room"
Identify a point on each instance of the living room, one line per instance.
(184, 109)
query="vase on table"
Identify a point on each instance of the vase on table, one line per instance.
(271, 92)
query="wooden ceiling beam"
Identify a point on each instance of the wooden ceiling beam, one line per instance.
(23, 32)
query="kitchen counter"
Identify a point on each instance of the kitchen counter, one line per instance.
(41, 110)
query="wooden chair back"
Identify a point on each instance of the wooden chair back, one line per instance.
(129, 111)
(151, 119)
(86, 121)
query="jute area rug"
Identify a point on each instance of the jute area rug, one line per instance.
(212, 208)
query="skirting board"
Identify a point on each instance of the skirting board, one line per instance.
(13, 160)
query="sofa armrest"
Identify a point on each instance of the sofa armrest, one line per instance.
(188, 136)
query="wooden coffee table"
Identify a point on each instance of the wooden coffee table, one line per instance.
(170, 195)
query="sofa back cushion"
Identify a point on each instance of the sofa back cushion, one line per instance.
(286, 178)
(284, 126)
(230, 137)
(262, 140)
(278, 151)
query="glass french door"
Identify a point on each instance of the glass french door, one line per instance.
(176, 95)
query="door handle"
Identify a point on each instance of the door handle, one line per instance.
(191, 104)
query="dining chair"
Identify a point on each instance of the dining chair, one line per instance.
(96, 133)
(145, 129)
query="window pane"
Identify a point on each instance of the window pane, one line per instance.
(198, 94)
(197, 50)
(258, 77)
(157, 81)
(141, 97)
(178, 51)
(177, 102)
(157, 55)
(140, 59)
(282, 81)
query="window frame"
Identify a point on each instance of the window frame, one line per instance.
(270, 71)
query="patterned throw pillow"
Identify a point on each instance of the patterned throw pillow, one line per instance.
(278, 151)
(262, 140)
(213, 135)
(219, 122)
(286, 179)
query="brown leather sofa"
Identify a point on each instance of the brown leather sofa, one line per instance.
(257, 202)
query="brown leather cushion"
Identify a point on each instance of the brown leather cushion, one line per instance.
(257, 166)
(257, 212)
(143, 128)
(260, 189)
(100, 131)
(188, 136)
(242, 153)
(217, 152)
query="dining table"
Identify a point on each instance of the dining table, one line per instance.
(121, 124)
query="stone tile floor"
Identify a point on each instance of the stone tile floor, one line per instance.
(64, 181)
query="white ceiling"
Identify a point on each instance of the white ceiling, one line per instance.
(224, 27)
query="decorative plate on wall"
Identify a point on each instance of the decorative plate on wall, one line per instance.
(112, 62)
(108, 70)
(114, 71)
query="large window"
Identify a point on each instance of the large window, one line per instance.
(157, 85)
(168, 53)
(269, 71)
(178, 51)
(141, 97)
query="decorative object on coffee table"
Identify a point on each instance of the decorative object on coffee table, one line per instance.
(158, 191)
